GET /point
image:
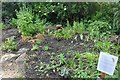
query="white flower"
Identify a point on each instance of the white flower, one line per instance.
(64, 8)
(39, 11)
(53, 11)
(58, 3)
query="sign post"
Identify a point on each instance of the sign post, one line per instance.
(103, 76)
(106, 64)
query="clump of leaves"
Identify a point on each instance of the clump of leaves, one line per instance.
(99, 29)
(103, 46)
(67, 33)
(28, 24)
(89, 56)
(58, 34)
(35, 47)
(10, 45)
(2, 26)
(78, 27)
(45, 48)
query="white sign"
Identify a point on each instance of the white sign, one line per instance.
(107, 63)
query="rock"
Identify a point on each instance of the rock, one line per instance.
(10, 32)
(22, 57)
(8, 57)
(22, 50)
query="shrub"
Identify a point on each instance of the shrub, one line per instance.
(28, 24)
(99, 29)
(116, 20)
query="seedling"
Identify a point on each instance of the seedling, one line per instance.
(45, 48)
(35, 47)
(10, 45)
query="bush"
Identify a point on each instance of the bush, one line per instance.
(59, 13)
(99, 29)
(28, 24)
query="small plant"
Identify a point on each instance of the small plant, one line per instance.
(78, 27)
(67, 33)
(103, 46)
(62, 59)
(10, 45)
(2, 26)
(58, 34)
(99, 29)
(35, 47)
(64, 72)
(89, 56)
(45, 48)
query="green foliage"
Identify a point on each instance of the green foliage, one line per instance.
(78, 27)
(8, 9)
(62, 58)
(10, 45)
(35, 47)
(89, 56)
(2, 26)
(116, 22)
(99, 29)
(103, 46)
(60, 12)
(45, 48)
(67, 33)
(58, 34)
(28, 24)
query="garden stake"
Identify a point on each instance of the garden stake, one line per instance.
(103, 76)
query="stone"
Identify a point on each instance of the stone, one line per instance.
(8, 57)
(23, 57)
(22, 50)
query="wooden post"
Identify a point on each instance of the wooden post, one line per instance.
(103, 76)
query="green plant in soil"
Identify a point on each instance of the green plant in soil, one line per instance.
(2, 26)
(99, 29)
(10, 45)
(78, 65)
(116, 48)
(35, 47)
(45, 48)
(67, 33)
(27, 23)
(104, 46)
(62, 58)
(58, 34)
(78, 27)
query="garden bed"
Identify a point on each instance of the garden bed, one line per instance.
(58, 58)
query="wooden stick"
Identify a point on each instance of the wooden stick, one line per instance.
(103, 76)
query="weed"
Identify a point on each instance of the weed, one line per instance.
(103, 46)
(62, 59)
(58, 34)
(78, 27)
(98, 29)
(10, 45)
(67, 33)
(35, 47)
(45, 48)
(2, 26)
